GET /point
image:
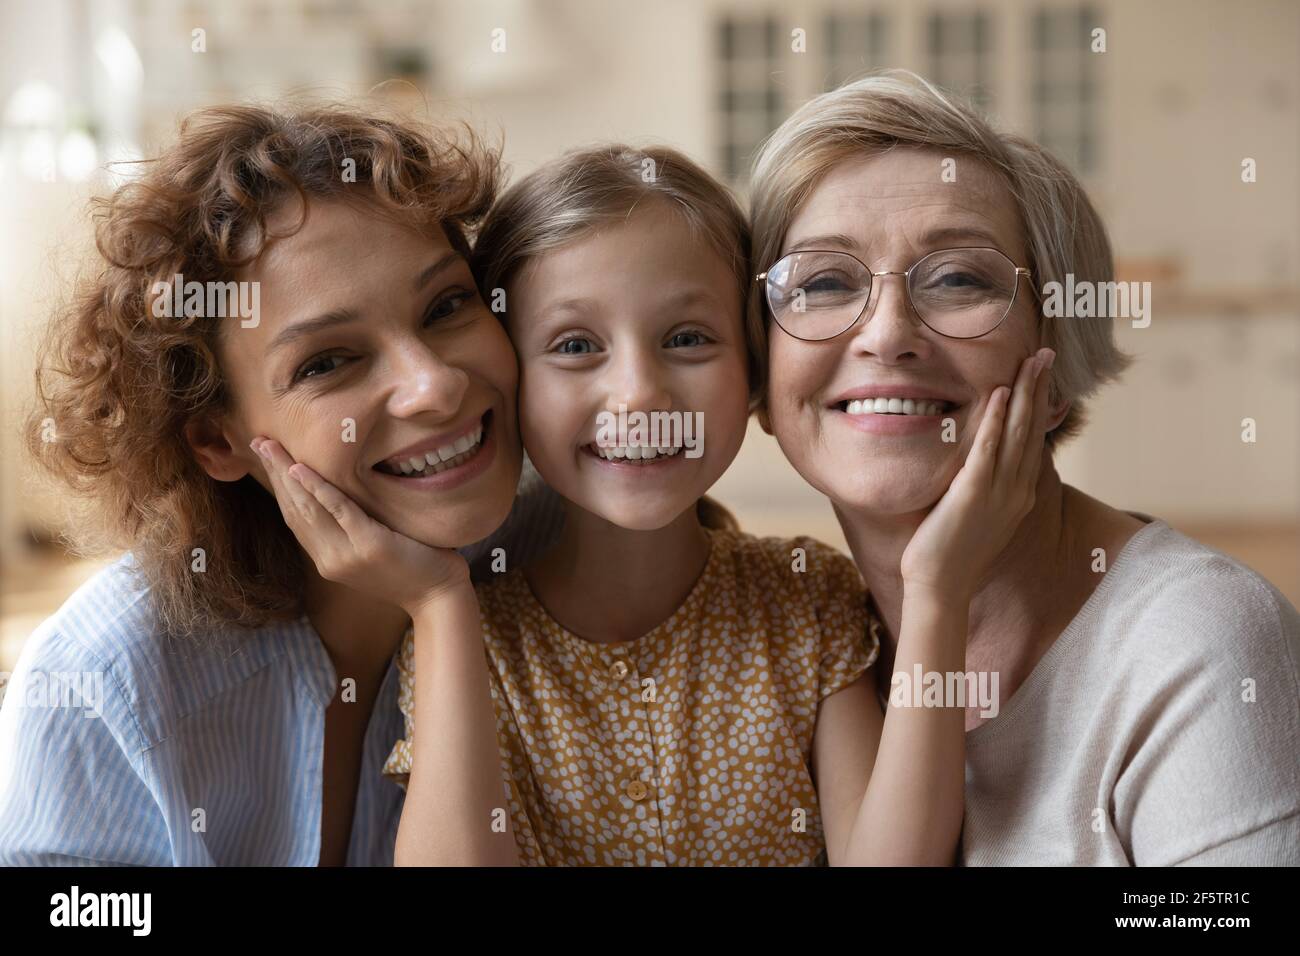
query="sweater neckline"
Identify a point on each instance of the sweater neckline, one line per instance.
(1033, 685)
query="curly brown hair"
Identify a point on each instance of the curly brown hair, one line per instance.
(116, 385)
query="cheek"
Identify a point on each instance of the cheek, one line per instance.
(324, 447)
(547, 411)
(795, 375)
(492, 356)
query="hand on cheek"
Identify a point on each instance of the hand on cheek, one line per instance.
(351, 548)
(991, 494)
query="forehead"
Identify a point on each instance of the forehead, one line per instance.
(338, 233)
(896, 197)
(654, 238)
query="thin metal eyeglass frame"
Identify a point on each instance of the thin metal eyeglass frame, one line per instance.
(907, 286)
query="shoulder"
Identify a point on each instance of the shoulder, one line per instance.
(787, 563)
(107, 626)
(506, 602)
(1185, 601)
(792, 576)
(1196, 656)
(150, 680)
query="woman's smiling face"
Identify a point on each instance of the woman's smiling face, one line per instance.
(642, 314)
(889, 210)
(374, 350)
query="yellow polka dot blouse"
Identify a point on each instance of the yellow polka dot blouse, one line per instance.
(688, 746)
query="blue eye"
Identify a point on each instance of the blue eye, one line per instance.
(564, 349)
(675, 341)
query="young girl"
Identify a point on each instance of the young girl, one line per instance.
(660, 688)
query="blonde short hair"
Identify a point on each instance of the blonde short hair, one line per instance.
(890, 108)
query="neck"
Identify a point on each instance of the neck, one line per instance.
(607, 583)
(1017, 594)
(360, 633)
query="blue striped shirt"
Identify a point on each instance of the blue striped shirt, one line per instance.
(120, 746)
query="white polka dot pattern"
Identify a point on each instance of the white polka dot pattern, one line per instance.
(689, 745)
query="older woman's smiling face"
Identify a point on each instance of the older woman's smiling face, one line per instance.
(373, 350)
(889, 210)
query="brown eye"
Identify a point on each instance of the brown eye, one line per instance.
(318, 366)
(447, 306)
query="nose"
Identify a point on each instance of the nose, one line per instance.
(423, 383)
(889, 329)
(638, 381)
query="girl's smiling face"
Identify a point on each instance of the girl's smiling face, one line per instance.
(373, 350)
(644, 315)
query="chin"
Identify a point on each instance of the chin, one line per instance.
(638, 518)
(872, 499)
(457, 530)
(459, 534)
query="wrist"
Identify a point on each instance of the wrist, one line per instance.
(947, 595)
(445, 595)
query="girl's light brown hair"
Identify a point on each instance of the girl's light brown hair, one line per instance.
(586, 188)
(116, 385)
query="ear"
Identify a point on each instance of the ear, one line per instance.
(1056, 413)
(219, 451)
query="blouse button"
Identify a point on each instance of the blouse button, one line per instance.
(618, 670)
(637, 790)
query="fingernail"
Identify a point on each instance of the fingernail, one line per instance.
(256, 445)
(1051, 358)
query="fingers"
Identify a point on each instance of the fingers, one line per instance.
(354, 522)
(982, 458)
(1032, 460)
(301, 510)
(1020, 418)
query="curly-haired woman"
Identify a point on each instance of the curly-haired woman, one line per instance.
(230, 705)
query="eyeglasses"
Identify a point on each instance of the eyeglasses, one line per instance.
(959, 293)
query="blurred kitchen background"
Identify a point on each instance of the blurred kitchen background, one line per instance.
(1158, 127)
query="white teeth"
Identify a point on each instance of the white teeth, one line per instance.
(634, 452)
(447, 456)
(894, 406)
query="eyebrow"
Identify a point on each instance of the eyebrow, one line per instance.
(933, 238)
(427, 275)
(335, 317)
(562, 309)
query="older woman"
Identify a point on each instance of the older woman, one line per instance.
(210, 698)
(1148, 684)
